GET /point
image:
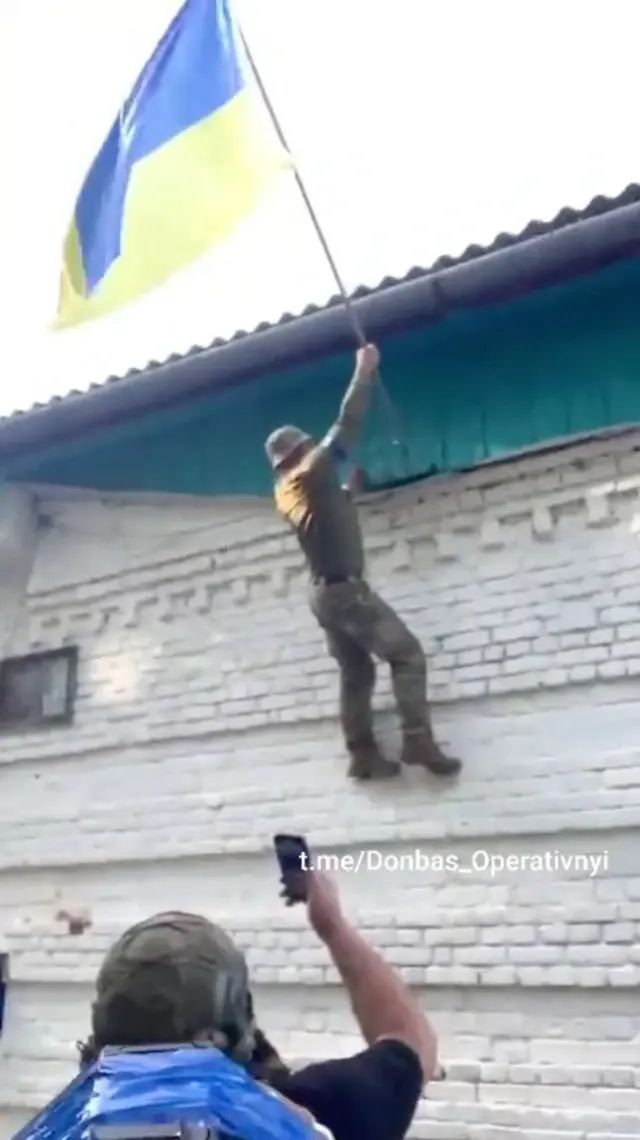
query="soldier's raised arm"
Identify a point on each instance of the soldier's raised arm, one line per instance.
(342, 436)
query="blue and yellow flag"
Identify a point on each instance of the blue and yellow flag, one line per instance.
(190, 154)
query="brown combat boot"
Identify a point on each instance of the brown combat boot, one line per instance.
(421, 751)
(367, 762)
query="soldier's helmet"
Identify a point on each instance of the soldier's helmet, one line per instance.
(175, 978)
(283, 442)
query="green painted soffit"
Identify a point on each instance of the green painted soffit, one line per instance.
(478, 385)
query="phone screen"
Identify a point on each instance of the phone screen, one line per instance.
(294, 861)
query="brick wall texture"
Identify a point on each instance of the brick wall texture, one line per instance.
(206, 722)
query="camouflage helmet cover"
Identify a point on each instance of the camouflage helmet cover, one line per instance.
(174, 978)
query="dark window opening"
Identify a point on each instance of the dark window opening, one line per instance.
(4, 972)
(38, 690)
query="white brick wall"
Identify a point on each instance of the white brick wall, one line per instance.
(206, 722)
(18, 545)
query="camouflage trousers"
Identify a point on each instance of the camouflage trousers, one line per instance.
(360, 626)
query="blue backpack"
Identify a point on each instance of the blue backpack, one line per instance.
(167, 1093)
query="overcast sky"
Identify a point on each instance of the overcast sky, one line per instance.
(419, 125)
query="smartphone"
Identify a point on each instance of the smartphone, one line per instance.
(294, 860)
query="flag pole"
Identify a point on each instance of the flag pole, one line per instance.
(397, 433)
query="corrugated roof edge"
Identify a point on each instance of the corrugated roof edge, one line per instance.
(573, 242)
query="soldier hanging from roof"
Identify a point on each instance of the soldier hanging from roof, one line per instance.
(358, 624)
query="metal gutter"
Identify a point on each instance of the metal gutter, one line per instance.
(544, 260)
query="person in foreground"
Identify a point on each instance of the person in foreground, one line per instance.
(177, 978)
(358, 624)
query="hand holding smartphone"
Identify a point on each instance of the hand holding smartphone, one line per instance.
(294, 861)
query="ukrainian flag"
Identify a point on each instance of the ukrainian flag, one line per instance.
(190, 154)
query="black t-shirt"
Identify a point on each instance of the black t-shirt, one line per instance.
(372, 1096)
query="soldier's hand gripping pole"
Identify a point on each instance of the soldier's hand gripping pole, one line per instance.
(398, 437)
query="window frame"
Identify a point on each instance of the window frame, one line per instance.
(67, 653)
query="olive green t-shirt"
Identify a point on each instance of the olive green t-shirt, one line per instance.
(323, 516)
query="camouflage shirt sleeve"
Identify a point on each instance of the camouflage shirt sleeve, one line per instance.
(342, 436)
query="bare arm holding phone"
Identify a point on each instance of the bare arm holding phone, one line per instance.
(382, 1004)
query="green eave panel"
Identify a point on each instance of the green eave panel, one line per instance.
(478, 385)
